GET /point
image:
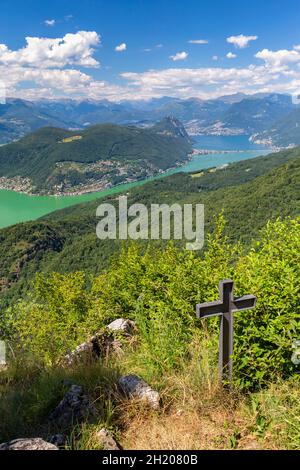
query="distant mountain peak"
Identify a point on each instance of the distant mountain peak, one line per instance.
(171, 125)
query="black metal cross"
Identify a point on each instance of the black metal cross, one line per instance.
(225, 307)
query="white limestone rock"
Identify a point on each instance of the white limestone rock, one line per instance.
(106, 440)
(101, 343)
(28, 444)
(135, 387)
(122, 325)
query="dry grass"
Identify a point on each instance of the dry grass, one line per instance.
(220, 423)
(195, 414)
(180, 430)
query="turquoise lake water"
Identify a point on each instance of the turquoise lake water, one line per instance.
(15, 207)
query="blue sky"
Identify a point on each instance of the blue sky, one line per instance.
(237, 46)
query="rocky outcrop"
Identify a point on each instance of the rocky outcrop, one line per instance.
(101, 344)
(85, 352)
(123, 326)
(106, 440)
(135, 387)
(28, 444)
(74, 408)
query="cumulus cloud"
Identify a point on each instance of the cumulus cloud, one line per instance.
(198, 41)
(121, 48)
(203, 82)
(72, 49)
(179, 56)
(49, 22)
(215, 57)
(230, 55)
(177, 82)
(187, 77)
(241, 41)
(48, 68)
(279, 58)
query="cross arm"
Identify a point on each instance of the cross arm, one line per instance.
(243, 303)
(209, 309)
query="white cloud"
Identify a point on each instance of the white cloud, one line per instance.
(72, 49)
(186, 77)
(215, 57)
(279, 58)
(198, 41)
(121, 48)
(48, 69)
(230, 55)
(203, 83)
(49, 22)
(179, 56)
(241, 41)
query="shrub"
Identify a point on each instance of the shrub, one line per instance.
(264, 337)
(159, 289)
(51, 321)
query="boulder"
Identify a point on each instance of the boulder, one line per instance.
(74, 408)
(123, 326)
(28, 444)
(101, 343)
(83, 352)
(106, 440)
(135, 387)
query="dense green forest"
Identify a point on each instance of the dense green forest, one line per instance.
(51, 157)
(250, 193)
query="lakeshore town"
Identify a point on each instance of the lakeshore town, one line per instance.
(99, 181)
(107, 174)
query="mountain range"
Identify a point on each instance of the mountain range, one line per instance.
(229, 115)
(284, 132)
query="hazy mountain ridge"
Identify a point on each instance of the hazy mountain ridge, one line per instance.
(228, 115)
(283, 133)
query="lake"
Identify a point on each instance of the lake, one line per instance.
(15, 207)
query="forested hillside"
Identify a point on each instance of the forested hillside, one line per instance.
(56, 160)
(250, 193)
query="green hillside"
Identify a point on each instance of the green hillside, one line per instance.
(50, 313)
(57, 160)
(250, 193)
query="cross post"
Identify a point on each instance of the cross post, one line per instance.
(224, 308)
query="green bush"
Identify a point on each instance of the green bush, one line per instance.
(51, 321)
(159, 289)
(264, 337)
